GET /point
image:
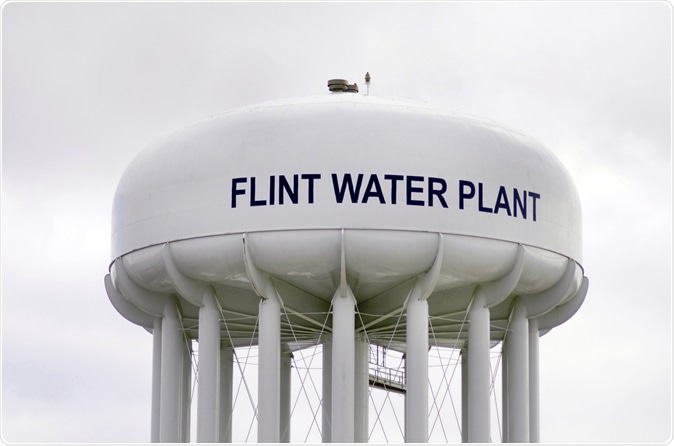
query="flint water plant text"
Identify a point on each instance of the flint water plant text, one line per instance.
(386, 189)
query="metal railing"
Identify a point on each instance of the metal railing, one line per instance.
(381, 374)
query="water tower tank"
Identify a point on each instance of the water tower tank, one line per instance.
(349, 220)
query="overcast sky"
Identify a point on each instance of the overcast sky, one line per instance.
(85, 86)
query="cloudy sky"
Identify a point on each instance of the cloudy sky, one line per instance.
(85, 86)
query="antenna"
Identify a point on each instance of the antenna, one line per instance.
(367, 83)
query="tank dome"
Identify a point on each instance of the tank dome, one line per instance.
(345, 160)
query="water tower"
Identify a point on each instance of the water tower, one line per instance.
(355, 222)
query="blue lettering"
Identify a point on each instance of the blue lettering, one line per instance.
(311, 177)
(285, 186)
(235, 190)
(354, 191)
(520, 202)
(283, 189)
(535, 196)
(272, 190)
(373, 189)
(463, 194)
(411, 190)
(432, 191)
(253, 201)
(502, 201)
(394, 182)
(480, 206)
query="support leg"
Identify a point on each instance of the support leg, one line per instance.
(362, 389)
(226, 386)
(186, 390)
(479, 378)
(209, 371)
(505, 383)
(326, 400)
(171, 364)
(534, 398)
(518, 375)
(416, 371)
(464, 395)
(156, 379)
(343, 327)
(285, 398)
(269, 369)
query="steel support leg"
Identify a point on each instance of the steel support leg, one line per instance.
(518, 375)
(156, 379)
(479, 377)
(505, 387)
(208, 407)
(285, 397)
(416, 372)
(343, 345)
(268, 425)
(326, 400)
(464, 395)
(534, 383)
(362, 389)
(226, 386)
(186, 390)
(171, 364)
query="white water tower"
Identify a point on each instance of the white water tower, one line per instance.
(351, 221)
